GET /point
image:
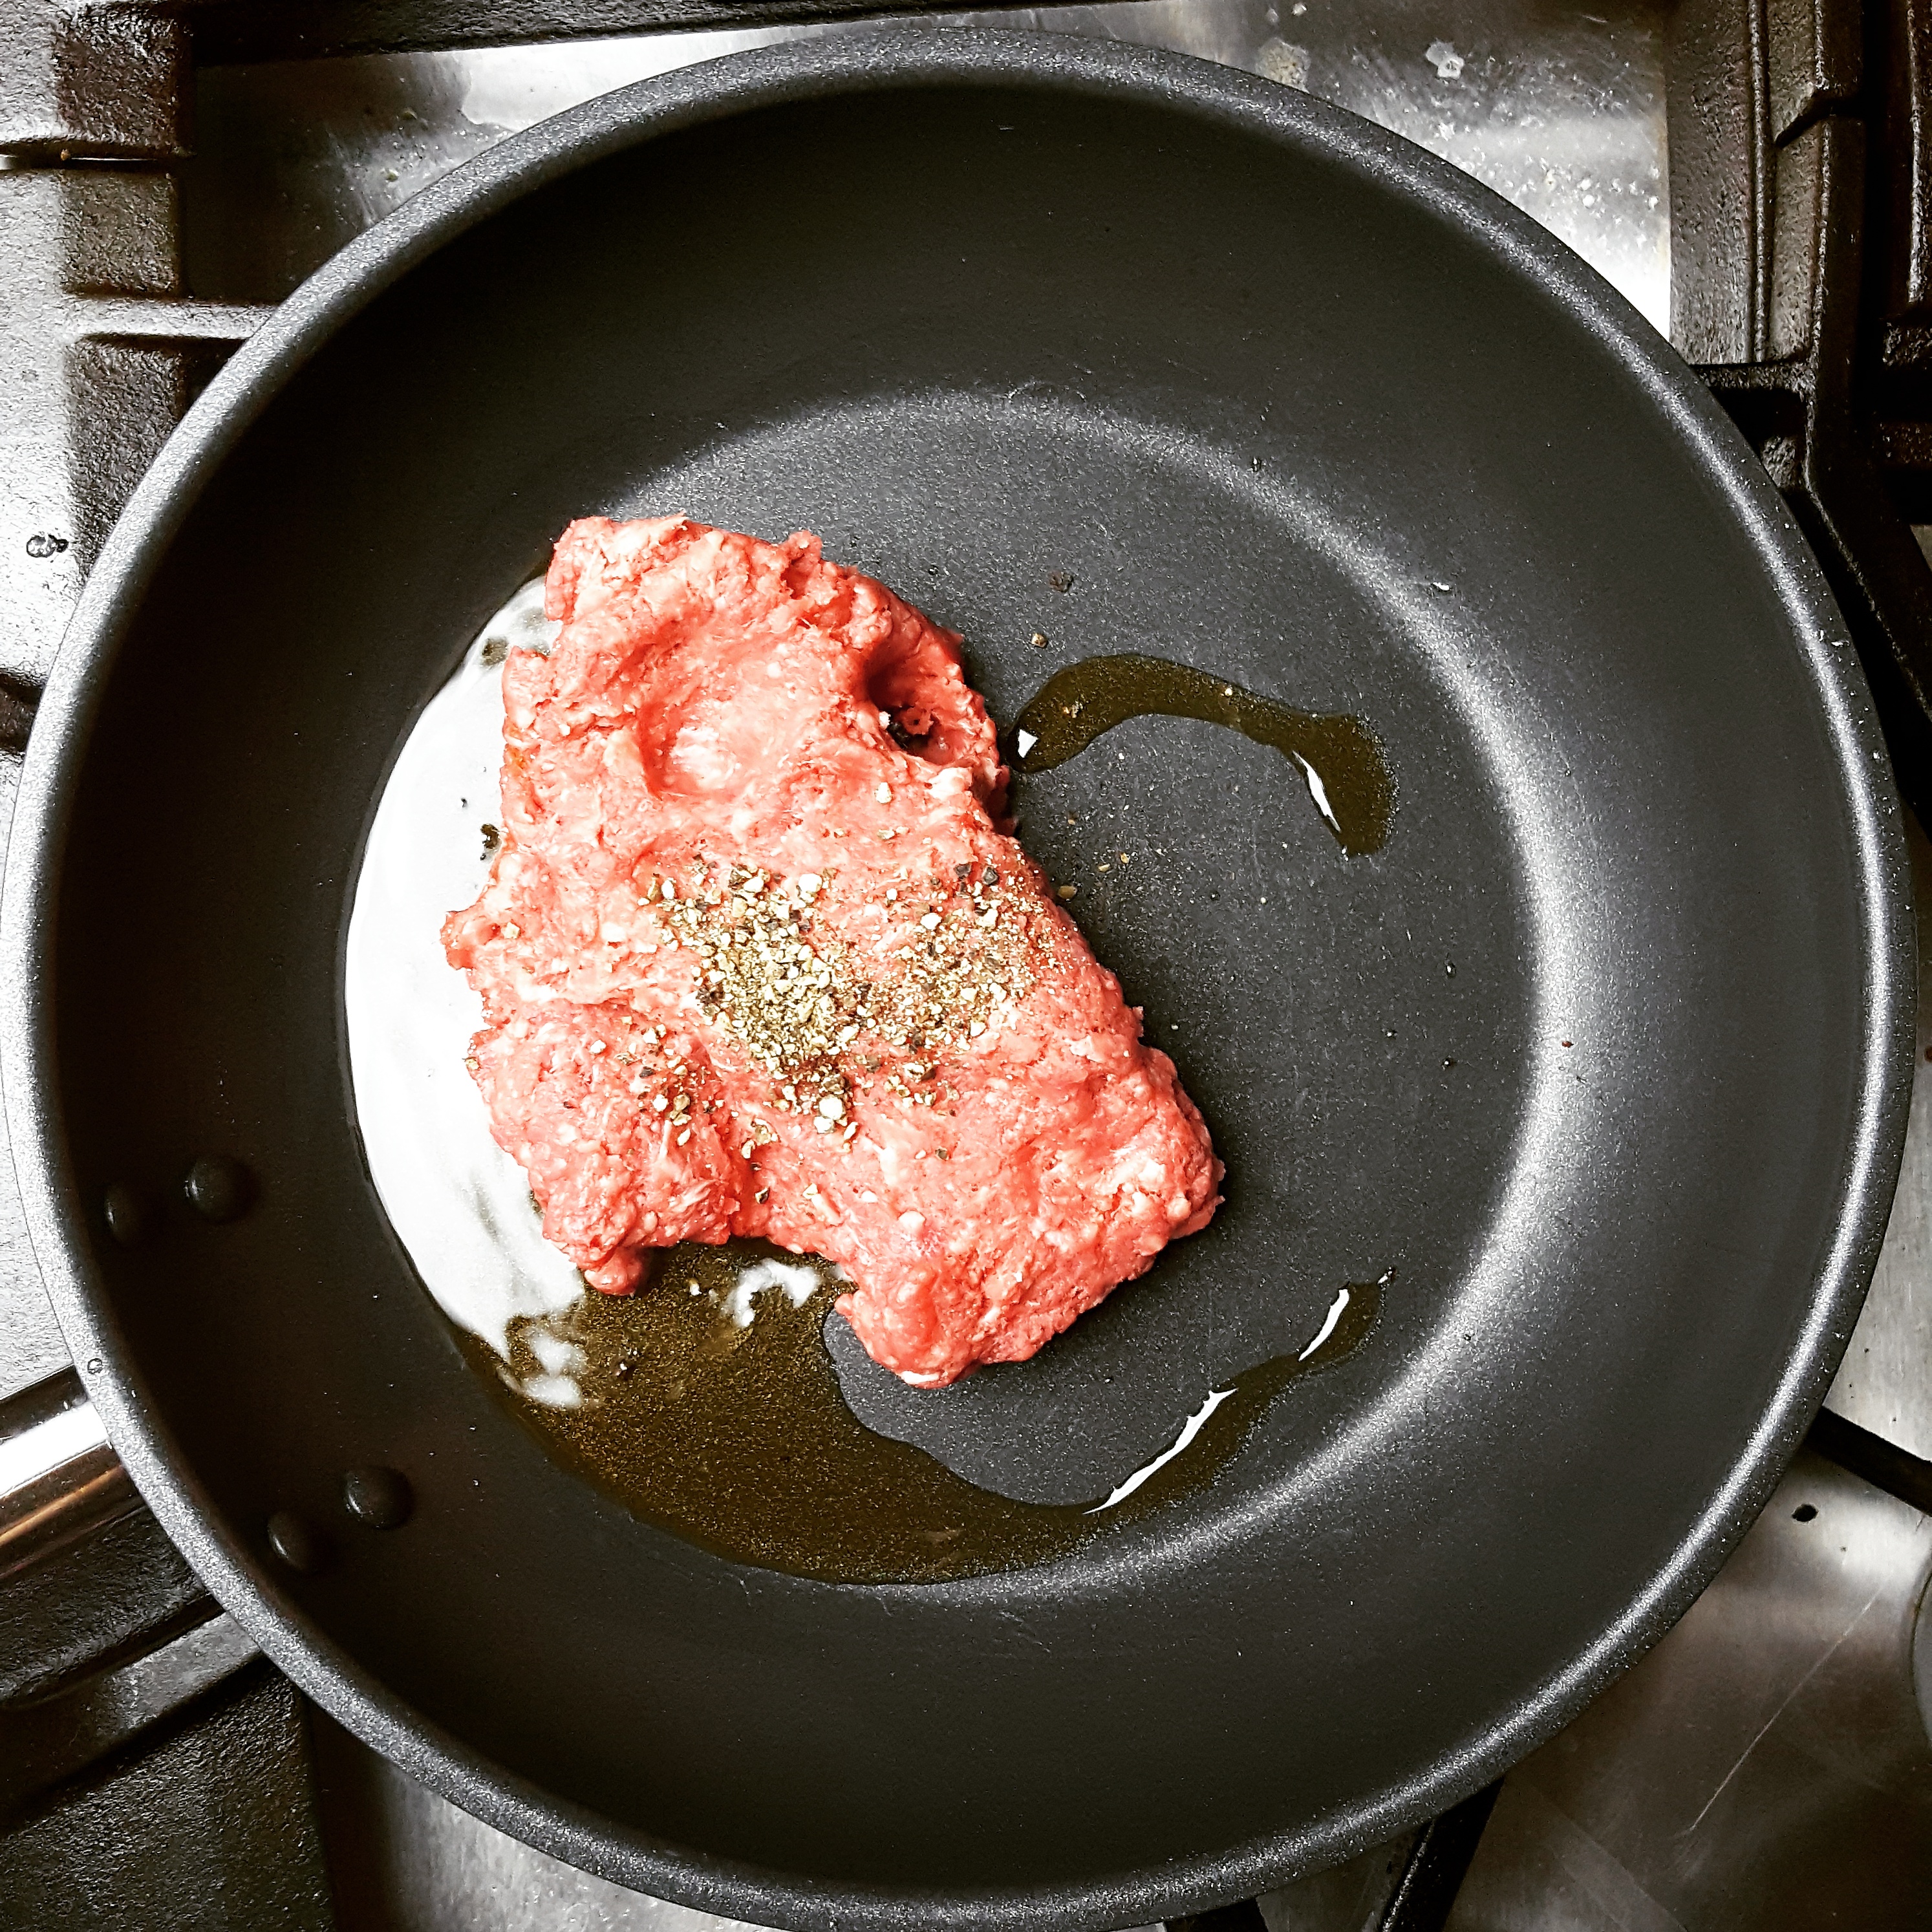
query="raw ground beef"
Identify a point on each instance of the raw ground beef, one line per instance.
(756, 958)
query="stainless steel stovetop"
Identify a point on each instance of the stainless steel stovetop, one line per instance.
(1768, 1764)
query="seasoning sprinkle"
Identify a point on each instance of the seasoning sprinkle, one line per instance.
(792, 993)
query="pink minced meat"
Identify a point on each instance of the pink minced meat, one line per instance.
(756, 957)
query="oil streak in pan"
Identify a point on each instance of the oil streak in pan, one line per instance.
(738, 1438)
(1338, 755)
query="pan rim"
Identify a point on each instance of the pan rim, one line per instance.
(891, 58)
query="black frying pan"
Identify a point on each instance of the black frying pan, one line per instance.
(1293, 403)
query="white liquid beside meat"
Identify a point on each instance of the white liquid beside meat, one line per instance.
(459, 1203)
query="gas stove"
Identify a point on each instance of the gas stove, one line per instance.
(1754, 175)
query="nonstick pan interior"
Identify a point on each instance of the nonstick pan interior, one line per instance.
(1600, 1061)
